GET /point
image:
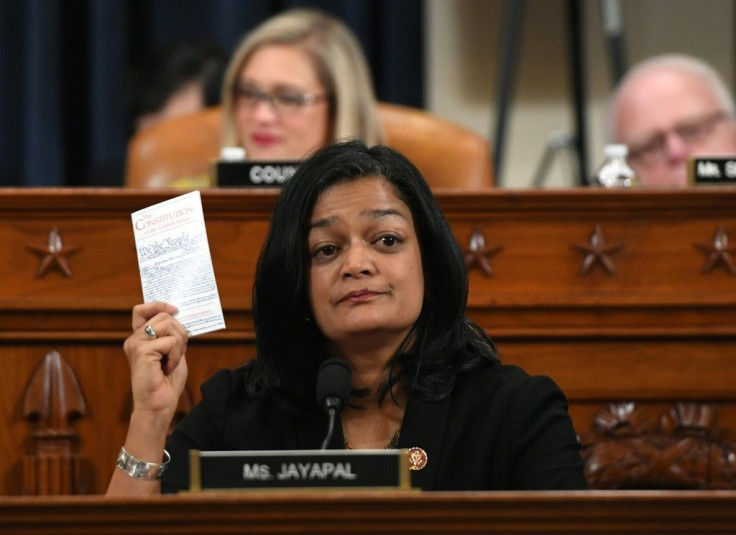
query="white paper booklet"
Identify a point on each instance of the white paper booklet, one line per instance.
(175, 263)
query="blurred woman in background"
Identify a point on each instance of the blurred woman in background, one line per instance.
(297, 82)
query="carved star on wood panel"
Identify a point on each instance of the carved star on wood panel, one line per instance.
(54, 255)
(478, 254)
(597, 252)
(718, 252)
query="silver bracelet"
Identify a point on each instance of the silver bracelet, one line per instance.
(141, 469)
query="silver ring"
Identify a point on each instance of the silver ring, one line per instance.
(150, 332)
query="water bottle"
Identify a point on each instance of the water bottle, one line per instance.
(615, 172)
(232, 154)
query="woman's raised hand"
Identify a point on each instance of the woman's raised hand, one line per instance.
(156, 353)
(158, 368)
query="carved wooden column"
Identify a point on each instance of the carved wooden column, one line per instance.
(52, 401)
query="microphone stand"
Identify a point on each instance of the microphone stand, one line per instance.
(333, 406)
(333, 391)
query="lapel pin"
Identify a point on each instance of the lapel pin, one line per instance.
(417, 458)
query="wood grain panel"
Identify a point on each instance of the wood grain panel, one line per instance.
(657, 330)
(370, 513)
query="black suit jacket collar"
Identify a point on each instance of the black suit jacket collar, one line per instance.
(423, 427)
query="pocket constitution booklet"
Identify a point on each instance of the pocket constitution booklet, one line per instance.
(175, 262)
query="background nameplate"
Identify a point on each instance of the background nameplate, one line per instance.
(251, 173)
(220, 470)
(713, 170)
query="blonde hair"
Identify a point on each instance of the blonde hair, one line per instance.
(340, 64)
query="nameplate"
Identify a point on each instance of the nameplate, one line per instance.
(713, 170)
(306, 469)
(255, 174)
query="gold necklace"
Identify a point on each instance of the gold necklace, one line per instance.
(392, 444)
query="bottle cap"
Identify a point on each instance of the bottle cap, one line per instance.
(616, 151)
(231, 154)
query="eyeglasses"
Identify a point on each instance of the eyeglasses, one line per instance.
(283, 101)
(691, 132)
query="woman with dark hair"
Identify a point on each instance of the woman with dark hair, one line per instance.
(360, 265)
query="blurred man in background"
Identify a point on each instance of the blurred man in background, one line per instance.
(667, 109)
(184, 78)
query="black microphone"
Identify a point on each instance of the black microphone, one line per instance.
(333, 391)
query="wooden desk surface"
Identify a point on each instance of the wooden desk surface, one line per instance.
(621, 296)
(592, 512)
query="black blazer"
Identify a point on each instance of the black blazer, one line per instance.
(500, 429)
